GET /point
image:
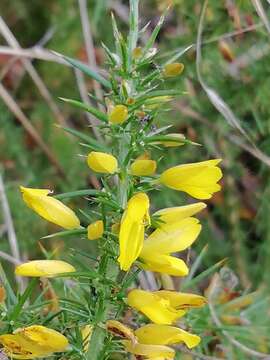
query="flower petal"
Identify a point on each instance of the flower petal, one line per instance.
(156, 309)
(50, 208)
(164, 264)
(150, 351)
(174, 214)
(131, 235)
(197, 179)
(180, 300)
(173, 237)
(46, 268)
(165, 335)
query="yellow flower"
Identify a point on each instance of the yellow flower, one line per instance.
(143, 167)
(173, 69)
(181, 300)
(50, 208)
(198, 179)
(102, 162)
(174, 214)
(118, 114)
(167, 239)
(137, 52)
(95, 230)
(33, 342)
(120, 330)
(131, 235)
(163, 307)
(156, 308)
(153, 352)
(44, 268)
(153, 334)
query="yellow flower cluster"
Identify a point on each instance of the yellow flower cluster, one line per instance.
(33, 342)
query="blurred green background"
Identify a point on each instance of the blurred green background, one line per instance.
(235, 63)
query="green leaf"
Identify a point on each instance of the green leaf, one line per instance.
(134, 26)
(86, 192)
(152, 39)
(95, 145)
(66, 233)
(92, 110)
(88, 71)
(151, 139)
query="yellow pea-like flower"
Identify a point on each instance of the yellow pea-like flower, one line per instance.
(95, 230)
(143, 167)
(163, 307)
(153, 334)
(156, 308)
(149, 351)
(50, 208)
(173, 69)
(33, 342)
(169, 238)
(197, 179)
(180, 300)
(131, 235)
(102, 162)
(118, 114)
(177, 213)
(44, 268)
(120, 330)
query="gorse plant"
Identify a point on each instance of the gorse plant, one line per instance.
(130, 239)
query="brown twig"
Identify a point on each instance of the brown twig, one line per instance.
(89, 45)
(13, 243)
(17, 112)
(12, 41)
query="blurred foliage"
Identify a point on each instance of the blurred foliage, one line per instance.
(237, 224)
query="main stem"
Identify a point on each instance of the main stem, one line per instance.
(109, 271)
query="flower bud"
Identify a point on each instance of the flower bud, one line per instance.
(173, 69)
(118, 114)
(44, 268)
(143, 167)
(95, 230)
(102, 162)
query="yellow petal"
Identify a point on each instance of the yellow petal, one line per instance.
(173, 237)
(154, 334)
(131, 235)
(143, 167)
(16, 347)
(174, 214)
(173, 69)
(164, 264)
(180, 300)
(102, 162)
(49, 339)
(198, 179)
(46, 268)
(95, 230)
(120, 330)
(155, 308)
(150, 351)
(118, 114)
(50, 208)
(33, 342)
